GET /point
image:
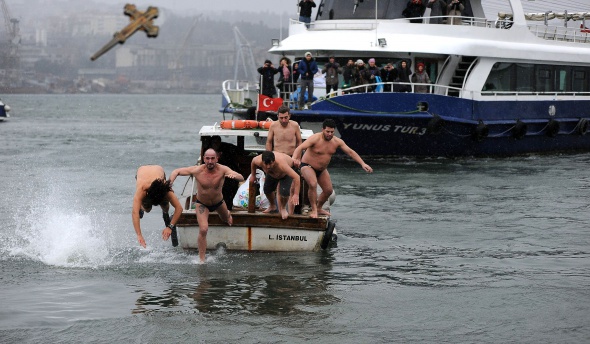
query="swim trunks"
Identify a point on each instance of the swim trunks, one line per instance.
(211, 207)
(317, 173)
(270, 185)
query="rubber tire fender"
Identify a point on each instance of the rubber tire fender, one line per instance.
(552, 128)
(328, 235)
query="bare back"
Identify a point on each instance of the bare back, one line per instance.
(284, 139)
(146, 175)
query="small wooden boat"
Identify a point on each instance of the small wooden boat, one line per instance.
(252, 230)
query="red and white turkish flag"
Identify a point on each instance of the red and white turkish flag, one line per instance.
(269, 104)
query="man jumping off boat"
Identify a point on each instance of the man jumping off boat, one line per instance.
(279, 171)
(319, 149)
(153, 189)
(210, 177)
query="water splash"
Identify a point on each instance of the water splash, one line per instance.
(62, 238)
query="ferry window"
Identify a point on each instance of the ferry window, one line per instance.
(500, 78)
(524, 77)
(580, 81)
(561, 76)
(544, 81)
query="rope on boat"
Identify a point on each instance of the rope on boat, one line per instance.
(366, 111)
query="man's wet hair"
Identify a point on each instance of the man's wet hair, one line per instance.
(283, 109)
(158, 191)
(268, 157)
(328, 123)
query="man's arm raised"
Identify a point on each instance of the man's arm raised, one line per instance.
(354, 155)
(182, 171)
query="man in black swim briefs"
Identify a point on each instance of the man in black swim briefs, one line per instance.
(279, 171)
(210, 177)
(319, 149)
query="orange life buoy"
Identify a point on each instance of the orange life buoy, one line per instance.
(264, 124)
(239, 124)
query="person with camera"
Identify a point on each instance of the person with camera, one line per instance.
(332, 69)
(388, 74)
(305, 8)
(455, 11)
(268, 72)
(285, 83)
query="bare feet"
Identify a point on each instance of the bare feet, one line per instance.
(230, 220)
(270, 210)
(313, 214)
(323, 212)
(284, 213)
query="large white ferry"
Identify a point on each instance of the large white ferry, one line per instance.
(499, 86)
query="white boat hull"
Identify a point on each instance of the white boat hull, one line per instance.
(257, 232)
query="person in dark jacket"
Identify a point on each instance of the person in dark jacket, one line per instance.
(414, 9)
(388, 74)
(347, 74)
(268, 72)
(305, 11)
(403, 74)
(307, 69)
(438, 9)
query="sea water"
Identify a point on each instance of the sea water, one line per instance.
(429, 250)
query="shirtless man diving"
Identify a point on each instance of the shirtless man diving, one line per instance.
(284, 135)
(279, 171)
(319, 149)
(153, 189)
(210, 177)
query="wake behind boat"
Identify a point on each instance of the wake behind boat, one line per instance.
(500, 86)
(251, 230)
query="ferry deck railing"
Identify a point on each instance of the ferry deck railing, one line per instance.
(557, 33)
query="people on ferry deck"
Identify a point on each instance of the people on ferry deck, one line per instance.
(268, 72)
(285, 83)
(332, 69)
(307, 69)
(414, 9)
(284, 135)
(281, 179)
(305, 8)
(358, 75)
(388, 74)
(371, 74)
(347, 74)
(319, 149)
(455, 11)
(438, 9)
(295, 73)
(210, 177)
(421, 77)
(403, 74)
(151, 188)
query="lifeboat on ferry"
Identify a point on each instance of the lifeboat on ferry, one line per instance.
(239, 124)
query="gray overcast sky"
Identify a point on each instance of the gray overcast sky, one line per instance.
(190, 7)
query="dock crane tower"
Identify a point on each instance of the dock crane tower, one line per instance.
(9, 54)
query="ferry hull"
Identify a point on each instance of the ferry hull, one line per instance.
(257, 232)
(435, 125)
